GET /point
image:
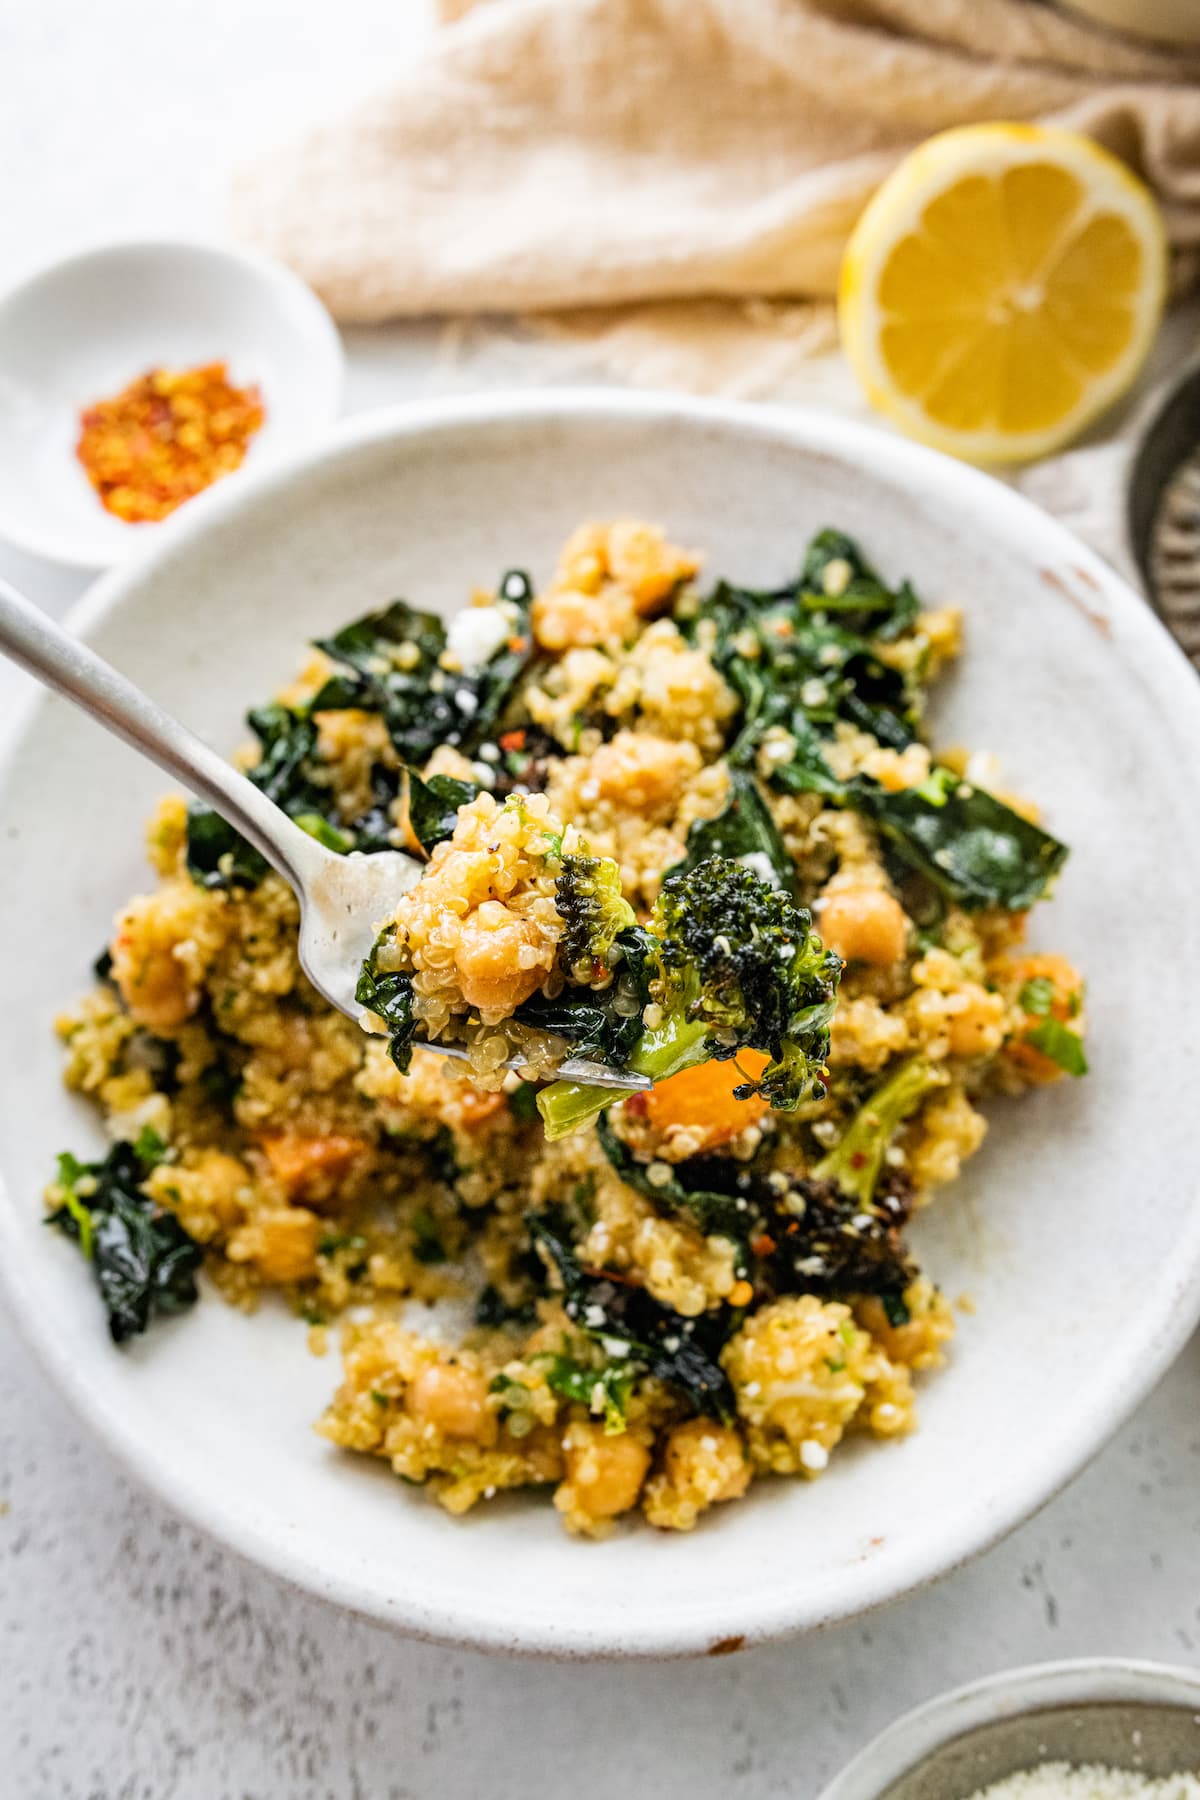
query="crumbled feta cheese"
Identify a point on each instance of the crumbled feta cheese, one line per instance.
(814, 1456)
(760, 864)
(475, 634)
(836, 577)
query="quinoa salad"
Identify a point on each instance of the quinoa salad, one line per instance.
(667, 824)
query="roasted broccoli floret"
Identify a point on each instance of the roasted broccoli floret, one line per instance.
(729, 964)
(594, 913)
(855, 1163)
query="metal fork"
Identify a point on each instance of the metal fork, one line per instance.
(343, 899)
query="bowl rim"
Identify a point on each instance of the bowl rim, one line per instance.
(911, 1739)
(1149, 652)
(324, 373)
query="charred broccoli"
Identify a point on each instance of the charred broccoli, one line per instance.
(728, 964)
(594, 913)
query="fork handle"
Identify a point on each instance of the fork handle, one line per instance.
(60, 660)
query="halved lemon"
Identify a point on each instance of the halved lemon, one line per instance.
(1002, 288)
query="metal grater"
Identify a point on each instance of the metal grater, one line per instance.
(1164, 513)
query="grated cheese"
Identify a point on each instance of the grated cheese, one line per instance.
(1065, 1781)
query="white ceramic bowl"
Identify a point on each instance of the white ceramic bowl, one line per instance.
(1076, 1229)
(1137, 1716)
(85, 327)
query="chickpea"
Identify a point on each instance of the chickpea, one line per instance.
(864, 925)
(222, 1180)
(567, 620)
(163, 946)
(153, 984)
(498, 959)
(454, 1399)
(712, 1455)
(643, 773)
(978, 1028)
(280, 1242)
(605, 1474)
(646, 565)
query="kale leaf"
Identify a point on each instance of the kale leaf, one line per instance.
(606, 1026)
(219, 857)
(430, 808)
(806, 656)
(389, 995)
(397, 661)
(976, 850)
(722, 1208)
(745, 832)
(860, 597)
(144, 1261)
(605, 1389)
(787, 664)
(393, 667)
(680, 1352)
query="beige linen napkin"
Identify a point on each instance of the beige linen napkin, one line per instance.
(588, 154)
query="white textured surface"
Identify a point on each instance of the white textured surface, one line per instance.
(139, 1663)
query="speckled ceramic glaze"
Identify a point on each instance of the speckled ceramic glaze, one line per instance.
(1135, 1716)
(1075, 1229)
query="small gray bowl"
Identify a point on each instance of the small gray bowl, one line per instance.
(1125, 1715)
(1163, 510)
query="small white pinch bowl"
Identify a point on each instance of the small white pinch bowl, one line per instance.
(1076, 1230)
(83, 328)
(1140, 1717)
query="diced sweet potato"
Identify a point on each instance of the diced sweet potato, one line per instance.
(702, 1098)
(311, 1168)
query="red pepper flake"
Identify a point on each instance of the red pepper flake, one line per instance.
(763, 1244)
(637, 1105)
(513, 740)
(167, 436)
(518, 644)
(858, 1159)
